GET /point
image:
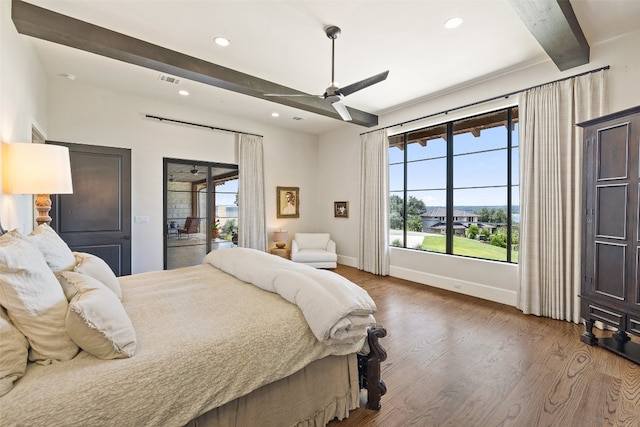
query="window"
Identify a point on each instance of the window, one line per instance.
(454, 187)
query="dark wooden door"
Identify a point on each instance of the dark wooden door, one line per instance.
(96, 218)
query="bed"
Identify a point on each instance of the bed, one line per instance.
(209, 345)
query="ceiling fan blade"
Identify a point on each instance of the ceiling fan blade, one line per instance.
(342, 110)
(347, 90)
(292, 94)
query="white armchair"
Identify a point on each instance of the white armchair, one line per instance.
(314, 249)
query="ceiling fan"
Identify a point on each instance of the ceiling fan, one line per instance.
(334, 94)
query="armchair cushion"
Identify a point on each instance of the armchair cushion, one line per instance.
(314, 249)
(312, 240)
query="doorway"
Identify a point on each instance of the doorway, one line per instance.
(200, 210)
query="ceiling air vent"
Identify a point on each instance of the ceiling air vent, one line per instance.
(169, 79)
(297, 118)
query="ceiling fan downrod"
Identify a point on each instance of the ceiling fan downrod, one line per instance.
(332, 32)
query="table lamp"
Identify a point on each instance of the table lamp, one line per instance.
(40, 169)
(281, 237)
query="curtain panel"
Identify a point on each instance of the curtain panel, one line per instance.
(373, 254)
(251, 209)
(549, 266)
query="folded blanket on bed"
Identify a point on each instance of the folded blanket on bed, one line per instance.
(337, 310)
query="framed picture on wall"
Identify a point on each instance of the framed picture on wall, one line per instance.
(341, 209)
(288, 202)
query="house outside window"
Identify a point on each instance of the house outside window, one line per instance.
(454, 187)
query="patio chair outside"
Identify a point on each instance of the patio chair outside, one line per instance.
(191, 225)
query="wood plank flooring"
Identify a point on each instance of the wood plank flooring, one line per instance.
(455, 360)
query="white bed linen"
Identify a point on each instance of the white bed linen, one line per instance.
(337, 310)
(204, 339)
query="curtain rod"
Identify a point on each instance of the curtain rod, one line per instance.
(506, 95)
(199, 125)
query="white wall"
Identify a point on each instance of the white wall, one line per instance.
(339, 153)
(23, 94)
(83, 114)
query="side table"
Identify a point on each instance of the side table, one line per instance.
(284, 252)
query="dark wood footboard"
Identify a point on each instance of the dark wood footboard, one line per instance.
(369, 368)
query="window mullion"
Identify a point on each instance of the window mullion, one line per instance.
(449, 196)
(509, 173)
(404, 195)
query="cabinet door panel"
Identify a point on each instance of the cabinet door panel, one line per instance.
(611, 213)
(610, 270)
(613, 152)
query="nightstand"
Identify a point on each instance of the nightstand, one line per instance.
(284, 253)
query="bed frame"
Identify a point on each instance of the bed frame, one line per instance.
(369, 368)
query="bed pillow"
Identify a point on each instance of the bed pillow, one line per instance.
(55, 250)
(13, 353)
(95, 267)
(34, 300)
(97, 320)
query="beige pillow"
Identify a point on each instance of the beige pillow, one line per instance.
(34, 300)
(55, 250)
(95, 267)
(97, 320)
(14, 350)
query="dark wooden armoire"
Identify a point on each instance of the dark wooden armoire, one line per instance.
(611, 238)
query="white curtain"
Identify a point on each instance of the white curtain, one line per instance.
(251, 211)
(374, 203)
(551, 193)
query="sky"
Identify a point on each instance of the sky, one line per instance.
(226, 193)
(478, 162)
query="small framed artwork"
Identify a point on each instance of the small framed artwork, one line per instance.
(341, 209)
(288, 202)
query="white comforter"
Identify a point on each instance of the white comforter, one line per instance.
(337, 310)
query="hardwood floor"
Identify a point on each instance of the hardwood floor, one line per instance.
(455, 360)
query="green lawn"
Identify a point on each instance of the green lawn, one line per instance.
(468, 247)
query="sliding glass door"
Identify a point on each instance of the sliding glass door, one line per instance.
(200, 210)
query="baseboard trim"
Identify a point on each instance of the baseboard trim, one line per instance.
(348, 261)
(478, 290)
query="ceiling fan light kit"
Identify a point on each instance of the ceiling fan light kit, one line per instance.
(334, 94)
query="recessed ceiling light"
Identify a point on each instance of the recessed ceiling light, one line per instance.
(275, 114)
(221, 41)
(452, 23)
(183, 92)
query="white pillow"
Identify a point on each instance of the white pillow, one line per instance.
(14, 350)
(55, 250)
(34, 300)
(97, 320)
(95, 267)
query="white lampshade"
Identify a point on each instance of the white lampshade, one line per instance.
(281, 236)
(38, 169)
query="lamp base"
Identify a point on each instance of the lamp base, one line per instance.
(280, 245)
(43, 205)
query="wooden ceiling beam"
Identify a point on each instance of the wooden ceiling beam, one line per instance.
(47, 25)
(555, 26)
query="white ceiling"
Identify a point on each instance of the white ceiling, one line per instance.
(284, 42)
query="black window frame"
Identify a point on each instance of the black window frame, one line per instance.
(511, 119)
